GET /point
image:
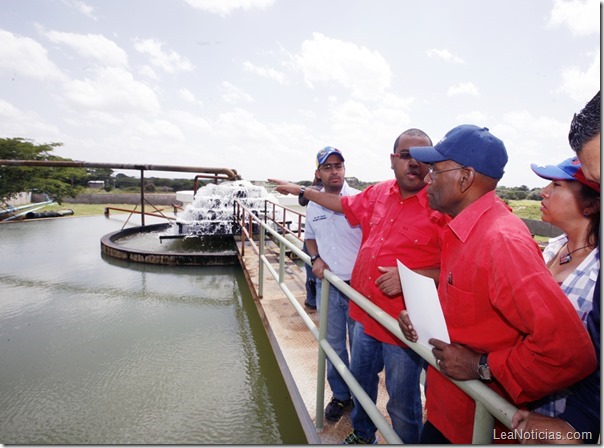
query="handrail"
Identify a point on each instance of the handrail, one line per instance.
(489, 405)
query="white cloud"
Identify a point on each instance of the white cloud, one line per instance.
(224, 7)
(445, 55)
(81, 7)
(264, 72)
(15, 122)
(24, 56)
(94, 46)
(113, 90)
(475, 117)
(187, 95)
(147, 71)
(322, 59)
(530, 139)
(233, 94)
(464, 88)
(581, 17)
(581, 85)
(158, 129)
(169, 61)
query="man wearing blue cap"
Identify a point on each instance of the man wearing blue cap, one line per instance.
(502, 306)
(397, 224)
(333, 244)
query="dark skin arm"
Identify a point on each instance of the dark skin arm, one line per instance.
(454, 360)
(327, 200)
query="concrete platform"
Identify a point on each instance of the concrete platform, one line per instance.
(293, 342)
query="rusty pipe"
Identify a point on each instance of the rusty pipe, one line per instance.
(230, 173)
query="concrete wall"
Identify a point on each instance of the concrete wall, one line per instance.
(538, 227)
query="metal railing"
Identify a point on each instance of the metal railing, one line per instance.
(489, 405)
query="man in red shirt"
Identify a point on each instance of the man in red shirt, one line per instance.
(397, 223)
(510, 324)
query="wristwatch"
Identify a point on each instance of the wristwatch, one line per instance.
(313, 258)
(301, 194)
(484, 372)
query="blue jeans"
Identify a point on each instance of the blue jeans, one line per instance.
(311, 282)
(403, 368)
(338, 322)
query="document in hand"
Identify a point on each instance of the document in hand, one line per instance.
(425, 312)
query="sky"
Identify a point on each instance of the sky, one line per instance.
(261, 85)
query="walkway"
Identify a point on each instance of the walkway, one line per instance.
(293, 342)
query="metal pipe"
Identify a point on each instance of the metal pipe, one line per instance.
(230, 173)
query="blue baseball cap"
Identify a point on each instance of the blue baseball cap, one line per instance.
(467, 145)
(325, 153)
(569, 169)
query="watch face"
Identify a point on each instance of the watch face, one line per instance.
(484, 372)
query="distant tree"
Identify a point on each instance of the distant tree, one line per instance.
(57, 183)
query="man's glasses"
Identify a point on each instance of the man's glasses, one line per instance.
(403, 155)
(433, 173)
(332, 166)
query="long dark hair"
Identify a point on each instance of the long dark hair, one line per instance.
(589, 195)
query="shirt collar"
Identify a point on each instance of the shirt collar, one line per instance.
(421, 195)
(345, 191)
(463, 224)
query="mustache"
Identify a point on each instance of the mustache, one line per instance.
(414, 172)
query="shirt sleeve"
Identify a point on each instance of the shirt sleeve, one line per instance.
(554, 350)
(358, 206)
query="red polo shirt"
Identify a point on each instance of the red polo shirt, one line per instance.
(393, 229)
(499, 298)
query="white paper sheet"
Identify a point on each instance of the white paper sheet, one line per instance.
(423, 306)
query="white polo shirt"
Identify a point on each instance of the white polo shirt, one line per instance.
(338, 241)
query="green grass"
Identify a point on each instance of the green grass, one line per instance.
(526, 209)
(87, 209)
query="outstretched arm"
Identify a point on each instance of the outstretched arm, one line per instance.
(327, 200)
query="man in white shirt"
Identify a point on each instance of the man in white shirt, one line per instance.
(333, 244)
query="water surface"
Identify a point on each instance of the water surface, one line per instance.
(99, 351)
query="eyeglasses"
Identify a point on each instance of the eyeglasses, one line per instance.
(433, 173)
(332, 166)
(403, 155)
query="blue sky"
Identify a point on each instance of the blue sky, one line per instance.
(262, 85)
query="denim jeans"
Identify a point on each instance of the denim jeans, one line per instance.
(403, 368)
(338, 321)
(311, 282)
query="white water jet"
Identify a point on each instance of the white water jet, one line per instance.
(212, 211)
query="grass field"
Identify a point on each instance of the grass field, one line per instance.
(526, 209)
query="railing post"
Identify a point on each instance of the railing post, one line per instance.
(261, 263)
(281, 262)
(484, 423)
(241, 217)
(321, 363)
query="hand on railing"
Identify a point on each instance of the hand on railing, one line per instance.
(455, 360)
(404, 322)
(318, 267)
(537, 428)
